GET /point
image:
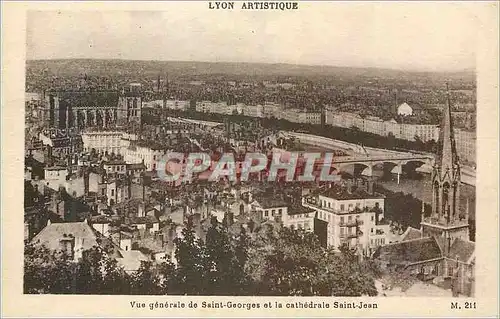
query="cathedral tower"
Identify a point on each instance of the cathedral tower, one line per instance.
(445, 220)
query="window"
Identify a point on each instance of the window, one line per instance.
(280, 211)
(349, 218)
(103, 192)
(342, 207)
(373, 218)
(371, 231)
(342, 219)
(273, 212)
(329, 205)
(266, 213)
(112, 192)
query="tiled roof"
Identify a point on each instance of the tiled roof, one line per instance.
(143, 220)
(268, 201)
(411, 233)
(99, 99)
(131, 260)
(51, 235)
(341, 193)
(136, 166)
(409, 252)
(100, 219)
(461, 249)
(294, 210)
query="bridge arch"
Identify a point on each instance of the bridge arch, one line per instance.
(355, 169)
(410, 167)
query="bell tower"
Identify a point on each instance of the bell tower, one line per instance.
(445, 220)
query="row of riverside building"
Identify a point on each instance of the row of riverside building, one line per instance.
(465, 139)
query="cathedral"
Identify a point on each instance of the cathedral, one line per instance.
(92, 109)
(440, 251)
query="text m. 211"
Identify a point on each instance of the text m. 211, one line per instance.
(465, 305)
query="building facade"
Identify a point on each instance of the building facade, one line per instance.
(83, 109)
(354, 216)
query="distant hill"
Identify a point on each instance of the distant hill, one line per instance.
(74, 67)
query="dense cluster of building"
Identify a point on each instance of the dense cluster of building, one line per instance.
(90, 179)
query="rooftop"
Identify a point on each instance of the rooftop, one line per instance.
(411, 233)
(409, 252)
(269, 201)
(342, 193)
(89, 98)
(54, 232)
(295, 210)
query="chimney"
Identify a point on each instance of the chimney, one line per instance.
(229, 218)
(129, 186)
(349, 186)
(143, 188)
(370, 188)
(162, 239)
(396, 102)
(422, 213)
(141, 210)
(86, 177)
(467, 211)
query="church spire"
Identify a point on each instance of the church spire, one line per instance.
(447, 157)
(445, 220)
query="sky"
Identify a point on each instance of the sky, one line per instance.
(413, 36)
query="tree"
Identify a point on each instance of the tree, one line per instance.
(243, 281)
(190, 272)
(97, 273)
(46, 272)
(146, 281)
(218, 260)
(294, 263)
(53, 272)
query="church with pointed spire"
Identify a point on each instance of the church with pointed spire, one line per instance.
(441, 249)
(446, 220)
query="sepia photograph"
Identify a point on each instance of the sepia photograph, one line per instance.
(247, 149)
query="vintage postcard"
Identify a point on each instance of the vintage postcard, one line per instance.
(250, 158)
